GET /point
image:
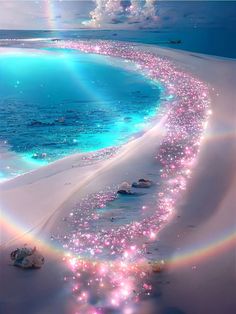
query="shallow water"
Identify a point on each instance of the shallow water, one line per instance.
(54, 104)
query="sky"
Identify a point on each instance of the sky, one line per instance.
(114, 14)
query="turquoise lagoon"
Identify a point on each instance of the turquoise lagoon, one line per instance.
(55, 103)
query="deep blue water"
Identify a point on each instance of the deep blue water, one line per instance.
(53, 104)
(218, 41)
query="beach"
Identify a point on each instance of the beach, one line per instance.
(196, 238)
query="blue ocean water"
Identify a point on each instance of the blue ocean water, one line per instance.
(53, 104)
(218, 40)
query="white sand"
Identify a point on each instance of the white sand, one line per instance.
(37, 200)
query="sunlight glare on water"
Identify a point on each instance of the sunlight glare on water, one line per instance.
(53, 104)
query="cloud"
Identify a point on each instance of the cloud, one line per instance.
(115, 14)
(105, 12)
(134, 12)
(143, 13)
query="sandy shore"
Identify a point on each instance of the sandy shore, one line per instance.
(198, 243)
(202, 235)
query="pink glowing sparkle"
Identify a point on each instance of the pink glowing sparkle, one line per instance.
(121, 276)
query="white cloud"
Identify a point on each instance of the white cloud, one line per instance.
(109, 13)
(113, 14)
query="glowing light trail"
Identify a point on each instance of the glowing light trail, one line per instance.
(110, 264)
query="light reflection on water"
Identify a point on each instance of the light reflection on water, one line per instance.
(55, 104)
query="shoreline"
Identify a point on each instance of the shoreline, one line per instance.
(168, 239)
(201, 238)
(22, 162)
